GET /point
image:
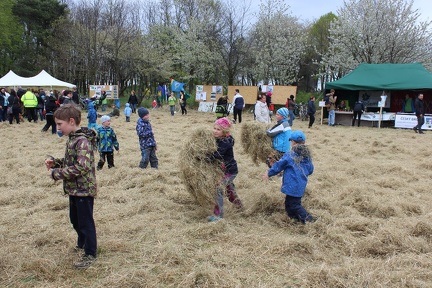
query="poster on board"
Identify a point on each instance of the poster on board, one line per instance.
(111, 91)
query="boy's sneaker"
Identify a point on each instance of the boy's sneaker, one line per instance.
(85, 262)
(214, 218)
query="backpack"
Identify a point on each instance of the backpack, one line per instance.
(327, 101)
(221, 111)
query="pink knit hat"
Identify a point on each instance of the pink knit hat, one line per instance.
(224, 122)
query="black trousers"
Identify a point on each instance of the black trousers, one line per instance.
(31, 114)
(183, 109)
(238, 112)
(420, 122)
(311, 119)
(356, 114)
(81, 217)
(50, 123)
(15, 114)
(106, 156)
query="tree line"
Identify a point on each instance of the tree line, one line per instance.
(145, 42)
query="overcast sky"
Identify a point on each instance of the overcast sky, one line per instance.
(314, 9)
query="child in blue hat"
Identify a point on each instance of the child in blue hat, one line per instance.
(280, 134)
(297, 166)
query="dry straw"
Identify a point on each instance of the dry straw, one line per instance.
(200, 176)
(255, 142)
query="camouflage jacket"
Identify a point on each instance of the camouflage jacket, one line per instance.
(77, 168)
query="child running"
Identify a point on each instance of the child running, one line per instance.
(297, 166)
(77, 170)
(146, 140)
(225, 153)
(107, 140)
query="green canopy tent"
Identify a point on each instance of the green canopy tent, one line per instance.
(385, 77)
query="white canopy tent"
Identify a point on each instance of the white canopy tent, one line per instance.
(43, 79)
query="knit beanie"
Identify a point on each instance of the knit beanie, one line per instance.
(105, 118)
(224, 122)
(142, 112)
(283, 112)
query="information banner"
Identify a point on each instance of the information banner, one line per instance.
(409, 120)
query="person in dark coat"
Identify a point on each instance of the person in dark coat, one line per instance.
(359, 108)
(419, 110)
(311, 110)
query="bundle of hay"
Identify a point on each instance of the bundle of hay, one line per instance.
(199, 176)
(255, 141)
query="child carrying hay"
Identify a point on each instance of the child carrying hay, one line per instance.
(280, 134)
(205, 175)
(297, 166)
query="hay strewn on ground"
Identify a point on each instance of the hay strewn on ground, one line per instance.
(370, 191)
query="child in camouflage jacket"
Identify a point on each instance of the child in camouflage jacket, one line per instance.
(77, 170)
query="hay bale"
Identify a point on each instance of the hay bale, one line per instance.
(255, 142)
(199, 176)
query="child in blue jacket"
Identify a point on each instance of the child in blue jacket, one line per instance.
(127, 112)
(146, 140)
(297, 166)
(280, 134)
(107, 142)
(91, 115)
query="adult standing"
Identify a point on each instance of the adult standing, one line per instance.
(419, 110)
(238, 104)
(408, 104)
(75, 95)
(359, 108)
(30, 102)
(50, 108)
(182, 100)
(291, 106)
(262, 113)
(15, 103)
(133, 101)
(311, 110)
(332, 107)
(3, 104)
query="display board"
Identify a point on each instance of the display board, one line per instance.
(208, 93)
(111, 90)
(250, 93)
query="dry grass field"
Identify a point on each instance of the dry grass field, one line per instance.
(371, 192)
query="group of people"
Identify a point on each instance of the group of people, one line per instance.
(330, 100)
(34, 105)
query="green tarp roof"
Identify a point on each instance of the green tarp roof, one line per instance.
(385, 77)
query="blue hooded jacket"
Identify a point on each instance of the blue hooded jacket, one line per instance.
(297, 166)
(92, 115)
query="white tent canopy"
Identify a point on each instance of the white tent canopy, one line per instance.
(12, 79)
(43, 79)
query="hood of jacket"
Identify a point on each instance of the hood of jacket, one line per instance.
(90, 134)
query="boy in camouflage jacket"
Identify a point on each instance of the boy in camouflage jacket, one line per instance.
(77, 170)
